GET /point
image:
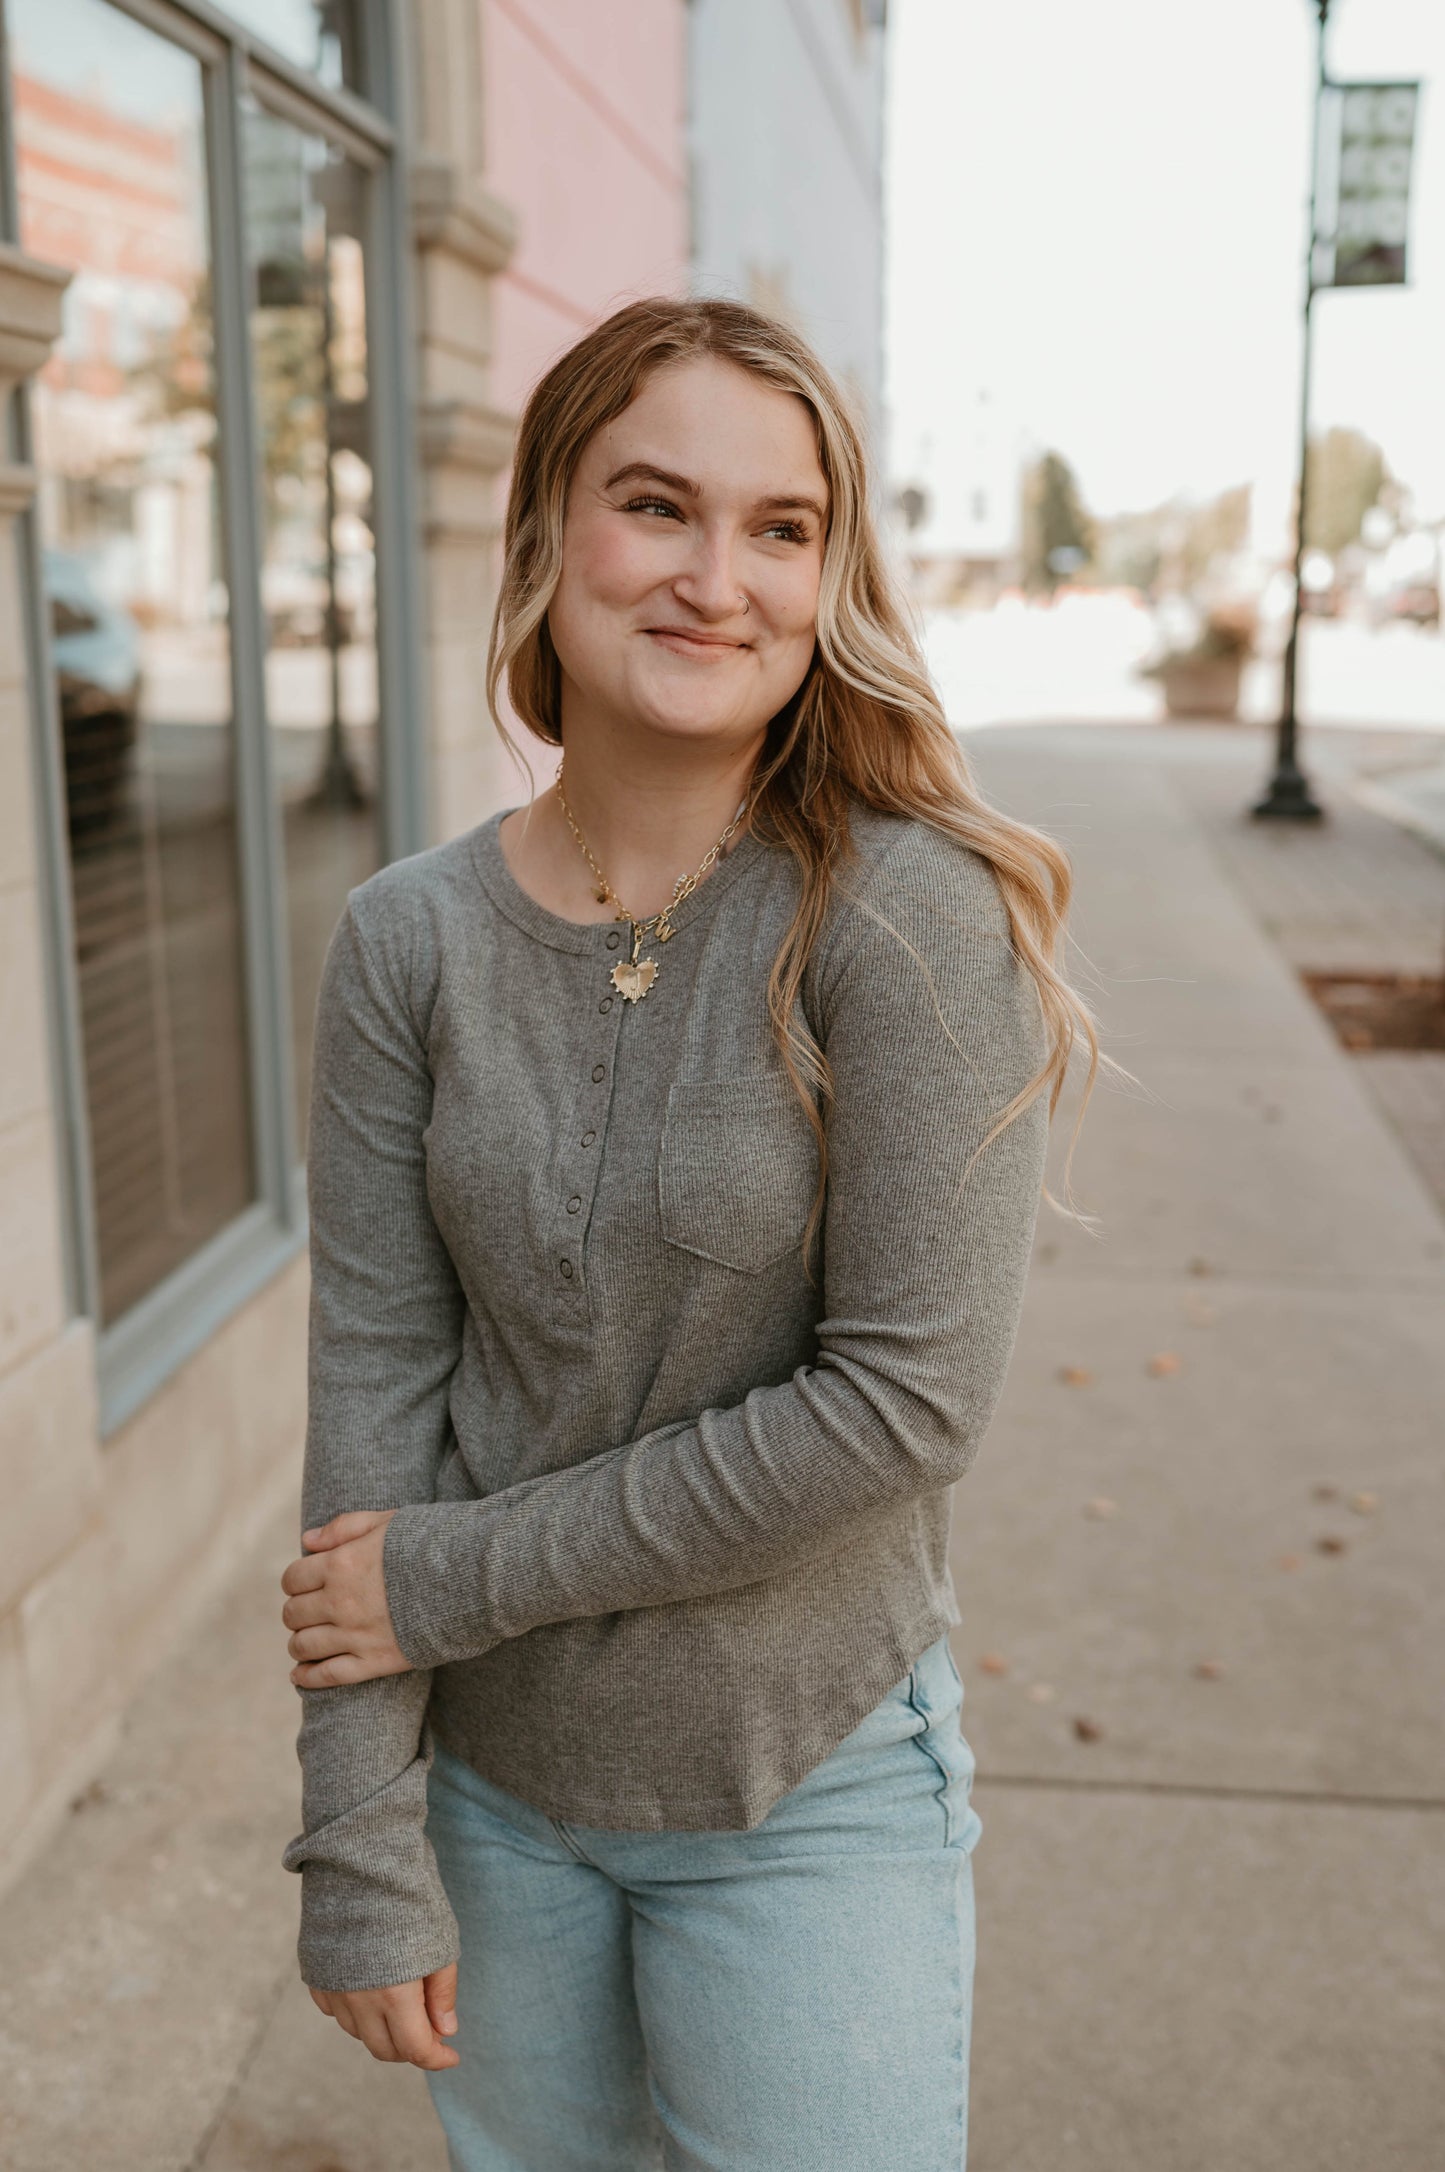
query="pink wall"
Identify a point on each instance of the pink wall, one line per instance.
(585, 140)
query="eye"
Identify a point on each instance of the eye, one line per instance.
(652, 505)
(791, 531)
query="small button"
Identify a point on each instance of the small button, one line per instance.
(605, 1005)
(564, 1269)
(599, 1073)
(588, 1137)
(613, 939)
(574, 1203)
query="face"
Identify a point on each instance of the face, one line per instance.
(691, 558)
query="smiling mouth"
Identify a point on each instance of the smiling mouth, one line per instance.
(694, 640)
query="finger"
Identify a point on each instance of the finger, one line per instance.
(304, 1613)
(334, 1673)
(374, 2033)
(341, 2013)
(307, 1574)
(441, 1999)
(322, 1998)
(412, 2032)
(354, 1524)
(344, 1669)
(323, 1642)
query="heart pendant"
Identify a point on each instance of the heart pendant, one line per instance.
(633, 980)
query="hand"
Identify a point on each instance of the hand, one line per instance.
(337, 1610)
(405, 2023)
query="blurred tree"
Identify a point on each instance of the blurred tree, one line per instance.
(1345, 476)
(1216, 530)
(1129, 551)
(1058, 535)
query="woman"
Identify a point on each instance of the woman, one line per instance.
(676, 1147)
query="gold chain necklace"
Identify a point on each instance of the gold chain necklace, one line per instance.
(632, 977)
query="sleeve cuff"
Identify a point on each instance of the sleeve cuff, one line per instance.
(360, 1934)
(432, 1569)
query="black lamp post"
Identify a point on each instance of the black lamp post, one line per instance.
(1288, 797)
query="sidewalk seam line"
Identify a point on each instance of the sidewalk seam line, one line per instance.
(197, 2161)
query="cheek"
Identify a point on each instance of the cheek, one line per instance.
(606, 566)
(792, 604)
(594, 598)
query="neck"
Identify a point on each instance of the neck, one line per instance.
(648, 815)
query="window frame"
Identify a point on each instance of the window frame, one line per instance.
(138, 1351)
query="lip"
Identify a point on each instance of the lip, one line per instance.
(697, 643)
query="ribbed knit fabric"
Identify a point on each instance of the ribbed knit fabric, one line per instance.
(673, 1517)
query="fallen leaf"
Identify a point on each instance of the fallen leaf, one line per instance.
(1101, 1508)
(1088, 1730)
(993, 1663)
(1166, 1362)
(1288, 1561)
(1327, 1493)
(1364, 1504)
(1041, 1692)
(1076, 1376)
(1331, 1544)
(1208, 1670)
(1200, 1267)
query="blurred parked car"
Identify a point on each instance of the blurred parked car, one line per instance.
(95, 647)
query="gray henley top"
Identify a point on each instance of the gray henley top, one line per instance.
(673, 1517)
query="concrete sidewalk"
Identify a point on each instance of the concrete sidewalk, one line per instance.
(1212, 1933)
(1211, 1922)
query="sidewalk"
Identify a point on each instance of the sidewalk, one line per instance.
(1211, 1925)
(1212, 1935)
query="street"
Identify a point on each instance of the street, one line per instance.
(1076, 661)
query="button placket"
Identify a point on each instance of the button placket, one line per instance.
(581, 1159)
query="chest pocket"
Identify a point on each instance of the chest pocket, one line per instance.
(737, 1171)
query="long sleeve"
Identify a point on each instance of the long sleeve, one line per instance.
(385, 1337)
(930, 1026)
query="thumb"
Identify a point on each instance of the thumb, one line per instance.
(440, 1989)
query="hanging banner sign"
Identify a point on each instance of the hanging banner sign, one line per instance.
(1366, 139)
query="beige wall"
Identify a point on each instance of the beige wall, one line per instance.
(464, 235)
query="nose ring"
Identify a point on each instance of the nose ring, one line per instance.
(746, 605)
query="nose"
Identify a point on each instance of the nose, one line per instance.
(708, 582)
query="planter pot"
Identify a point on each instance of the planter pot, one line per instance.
(1202, 686)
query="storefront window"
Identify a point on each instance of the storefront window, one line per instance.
(205, 564)
(304, 207)
(111, 174)
(321, 35)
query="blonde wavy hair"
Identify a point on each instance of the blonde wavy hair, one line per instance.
(865, 725)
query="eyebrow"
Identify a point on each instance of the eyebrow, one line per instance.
(643, 471)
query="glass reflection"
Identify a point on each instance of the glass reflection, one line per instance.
(110, 161)
(304, 215)
(322, 35)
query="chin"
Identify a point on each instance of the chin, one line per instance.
(670, 721)
(687, 713)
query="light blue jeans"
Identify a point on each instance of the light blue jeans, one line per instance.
(796, 1998)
